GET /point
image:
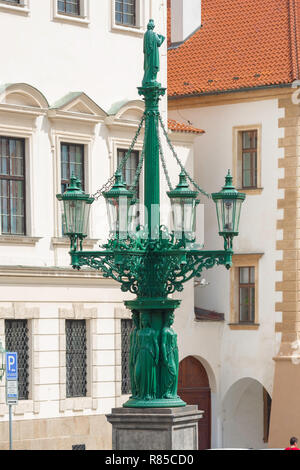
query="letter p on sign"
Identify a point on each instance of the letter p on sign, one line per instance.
(12, 366)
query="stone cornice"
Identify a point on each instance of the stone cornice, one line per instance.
(51, 275)
(228, 98)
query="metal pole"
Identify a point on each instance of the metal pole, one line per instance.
(10, 427)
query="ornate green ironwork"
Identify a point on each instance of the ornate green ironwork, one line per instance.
(153, 263)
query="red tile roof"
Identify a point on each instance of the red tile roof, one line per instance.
(176, 126)
(241, 44)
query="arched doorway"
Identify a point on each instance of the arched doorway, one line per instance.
(194, 389)
(246, 415)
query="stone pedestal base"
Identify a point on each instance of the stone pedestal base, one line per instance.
(155, 428)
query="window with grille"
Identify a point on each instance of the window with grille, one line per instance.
(249, 159)
(12, 186)
(130, 168)
(76, 358)
(125, 12)
(126, 328)
(247, 294)
(17, 340)
(71, 7)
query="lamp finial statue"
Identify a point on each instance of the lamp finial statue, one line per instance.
(152, 42)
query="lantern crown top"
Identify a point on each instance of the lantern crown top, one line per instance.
(119, 188)
(75, 192)
(228, 191)
(182, 190)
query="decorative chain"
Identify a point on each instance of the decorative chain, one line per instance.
(108, 185)
(163, 161)
(134, 184)
(179, 162)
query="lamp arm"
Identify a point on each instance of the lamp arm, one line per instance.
(158, 273)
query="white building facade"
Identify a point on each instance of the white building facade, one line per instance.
(235, 80)
(69, 103)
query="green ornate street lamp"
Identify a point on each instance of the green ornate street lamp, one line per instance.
(151, 262)
(76, 211)
(229, 203)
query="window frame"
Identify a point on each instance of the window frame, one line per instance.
(69, 144)
(134, 152)
(28, 388)
(85, 373)
(89, 402)
(69, 138)
(140, 26)
(253, 160)
(121, 23)
(16, 178)
(243, 261)
(250, 285)
(64, 12)
(81, 20)
(237, 153)
(22, 8)
(125, 387)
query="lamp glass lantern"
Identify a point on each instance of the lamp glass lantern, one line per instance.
(76, 209)
(228, 204)
(184, 202)
(118, 202)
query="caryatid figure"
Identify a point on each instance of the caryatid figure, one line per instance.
(152, 42)
(133, 351)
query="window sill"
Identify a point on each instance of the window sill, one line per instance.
(18, 240)
(23, 407)
(78, 404)
(65, 18)
(135, 30)
(251, 192)
(19, 10)
(243, 326)
(64, 242)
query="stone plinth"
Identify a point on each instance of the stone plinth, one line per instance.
(155, 428)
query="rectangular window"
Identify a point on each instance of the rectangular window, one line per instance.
(125, 12)
(71, 7)
(12, 186)
(76, 358)
(126, 327)
(17, 340)
(130, 168)
(247, 295)
(249, 159)
(72, 163)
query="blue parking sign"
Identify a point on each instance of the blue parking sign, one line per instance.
(11, 366)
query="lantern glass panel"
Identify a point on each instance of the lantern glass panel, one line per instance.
(134, 217)
(112, 205)
(75, 216)
(189, 216)
(177, 213)
(184, 220)
(118, 214)
(238, 208)
(225, 212)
